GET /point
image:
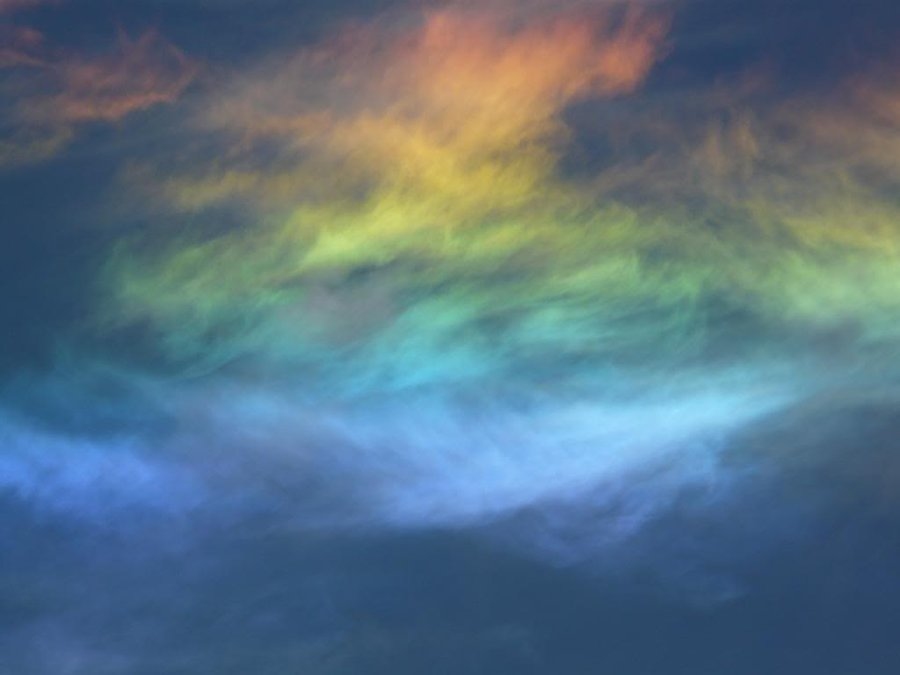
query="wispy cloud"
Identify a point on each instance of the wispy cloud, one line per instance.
(394, 297)
(137, 75)
(20, 46)
(387, 145)
(54, 92)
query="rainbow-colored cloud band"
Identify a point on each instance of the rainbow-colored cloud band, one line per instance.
(406, 220)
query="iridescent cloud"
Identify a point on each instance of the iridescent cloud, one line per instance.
(386, 282)
(53, 92)
(416, 169)
(423, 158)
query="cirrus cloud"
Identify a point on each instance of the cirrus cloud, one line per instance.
(53, 92)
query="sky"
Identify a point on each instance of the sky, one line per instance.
(404, 336)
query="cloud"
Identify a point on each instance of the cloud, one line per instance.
(456, 95)
(222, 450)
(20, 46)
(91, 480)
(425, 155)
(53, 93)
(414, 461)
(395, 294)
(139, 74)
(416, 167)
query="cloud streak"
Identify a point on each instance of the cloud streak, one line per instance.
(54, 94)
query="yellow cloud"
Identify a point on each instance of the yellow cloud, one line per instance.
(421, 161)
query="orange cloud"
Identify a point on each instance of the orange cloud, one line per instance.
(20, 46)
(59, 91)
(137, 75)
(434, 140)
(437, 140)
(462, 106)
